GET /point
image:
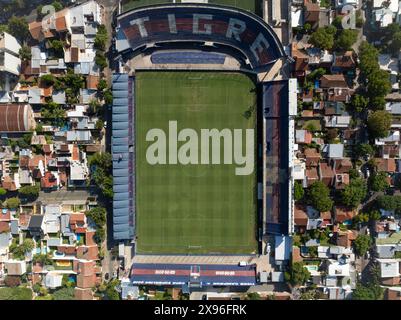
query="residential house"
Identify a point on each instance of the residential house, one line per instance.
(334, 151)
(390, 271)
(15, 267)
(385, 165)
(391, 65)
(326, 174)
(312, 157)
(10, 63)
(36, 226)
(311, 13)
(303, 137)
(344, 214)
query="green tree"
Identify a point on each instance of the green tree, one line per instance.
(100, 60)
(64, 294)
(378, 181)
(346, 39)
(379, 85)
(52, 111)
(374, 215)
(298, 274)
(111, 292)
(99, 124)
(57, 5)
(3, 192)
(18, 27)
(379, 124)
(323, 38)
(253, 296)
(25, 53)
(359, 103)
(47, 80)
(319, 197)
(13, 203)
(102, 85)
(29, 191)
(368, 56)
(362, 244)
(316, 74)
(97, 215)
(298, 191)
(101, 38)
(363, 150)
(58, 48)
(354, 193)
(353, 173)
(108, 97)
(27, 245)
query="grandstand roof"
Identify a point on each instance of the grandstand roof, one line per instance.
(123, 158)
(222, 25)
(183, 274)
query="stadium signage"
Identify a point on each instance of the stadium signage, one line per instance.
(195, 150)
(202, 24)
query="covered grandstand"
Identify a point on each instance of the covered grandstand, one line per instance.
(211, 25)
(279, 106)
(123, 154)
(192, 275)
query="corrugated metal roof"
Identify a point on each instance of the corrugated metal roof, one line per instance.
(123, 173)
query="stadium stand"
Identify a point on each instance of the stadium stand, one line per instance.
(123, 157)
(193, 275)
(276, 98)
(187, 57)
(235, 28)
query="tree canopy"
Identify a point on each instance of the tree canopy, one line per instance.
(346, 39)
(298, 274)
(379, 124)
(319, 197)
(362, 244)
(298, 191)
(323, 38)
(354, 193)
(18, 27)
(378, 182)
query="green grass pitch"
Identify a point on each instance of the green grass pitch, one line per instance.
(193, 209)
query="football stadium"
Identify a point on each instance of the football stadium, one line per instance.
(202, 120)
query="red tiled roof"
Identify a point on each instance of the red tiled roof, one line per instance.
(89, 238)
(342, 214)
(46, 148)
(83, 294)
(5, 216)
(77, 217)
(300, 216)
(88, 252)
(387, 165)
(35, 28)
(34, 161)
(48, 181)
(23, 219)
(68, 250)
(333, 80)
(92, 82)
(4, 226)
(9, 184)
